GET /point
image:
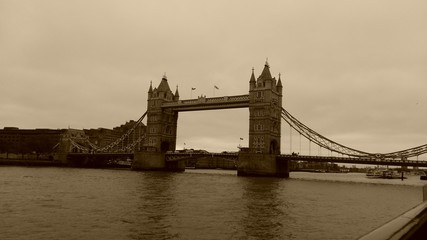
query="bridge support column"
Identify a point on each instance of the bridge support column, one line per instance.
(148, 161)
(64, 148)
(62, 158)
(155, 161)
(263, 165)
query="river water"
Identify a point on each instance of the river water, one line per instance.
(73, 203)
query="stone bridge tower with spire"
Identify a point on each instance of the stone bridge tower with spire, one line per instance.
(161, 122)
(161, 127)
(265, 106)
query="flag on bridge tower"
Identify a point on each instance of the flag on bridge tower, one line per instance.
(191, 94)
(215, 87)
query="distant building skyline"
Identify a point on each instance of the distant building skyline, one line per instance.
(42, 141)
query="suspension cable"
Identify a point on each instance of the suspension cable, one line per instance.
(319, 139)
(328, 144)
(122, 138)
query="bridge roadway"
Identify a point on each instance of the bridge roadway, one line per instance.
(350, 160)
(355, 160)
(181, 156)
(97, 160)
(169, 156)
(99, 157)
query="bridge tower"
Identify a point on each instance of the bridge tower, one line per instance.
(161, 122)
(265, 105)
(161, 128)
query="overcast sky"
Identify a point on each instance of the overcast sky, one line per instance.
(354, 71)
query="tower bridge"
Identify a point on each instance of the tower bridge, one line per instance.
(155, 149)
(265, 105)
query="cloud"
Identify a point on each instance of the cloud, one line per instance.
(353, 71)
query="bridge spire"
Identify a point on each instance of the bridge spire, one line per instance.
(164, 86)
(252, 82)
(266, 75)
(150, 90)
(279, 85)
(176, 95)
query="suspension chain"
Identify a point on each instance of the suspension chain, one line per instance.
(326, 143)
(123, 137)
(319, 139)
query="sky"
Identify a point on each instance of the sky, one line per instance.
(354, 71)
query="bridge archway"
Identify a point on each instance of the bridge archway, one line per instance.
(211, 131)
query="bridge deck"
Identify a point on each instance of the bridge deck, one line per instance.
(234, 156)
(99, 156)
(355, 160)
(181, 156)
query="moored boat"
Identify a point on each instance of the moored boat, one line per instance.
(375, 173)
(387, 174)
(391, 174)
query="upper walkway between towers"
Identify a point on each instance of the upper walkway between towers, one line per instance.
(204, 103)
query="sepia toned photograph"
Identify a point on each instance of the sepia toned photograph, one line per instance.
(137, 119)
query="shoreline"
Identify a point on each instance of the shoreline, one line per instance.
(27, 162)
(49, 163)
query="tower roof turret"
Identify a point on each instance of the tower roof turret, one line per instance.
(164, 86)
(150, 90)
(252, 80)
(266, 72)
(279, 83)
(176, 92)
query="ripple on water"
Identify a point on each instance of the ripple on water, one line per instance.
(63, 203)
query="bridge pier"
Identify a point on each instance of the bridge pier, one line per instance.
(155, 161)
(262, 165)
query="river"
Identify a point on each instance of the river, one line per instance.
(75, 203)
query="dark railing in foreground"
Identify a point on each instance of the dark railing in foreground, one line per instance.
(410, 225)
